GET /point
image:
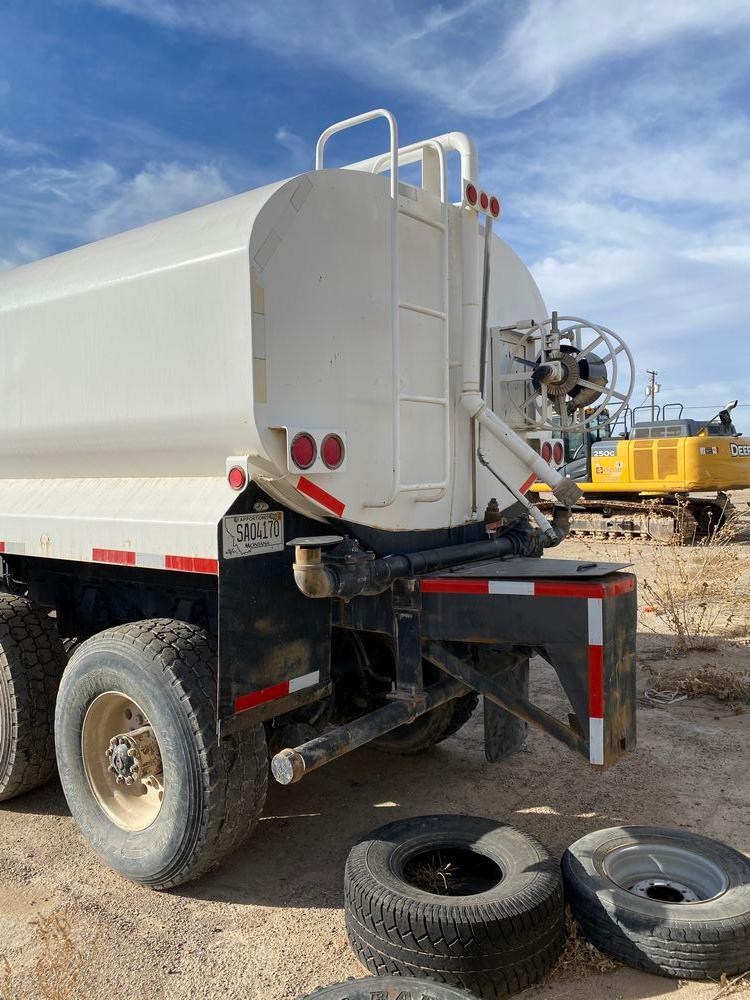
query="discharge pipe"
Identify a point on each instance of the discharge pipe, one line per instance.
(350, 571)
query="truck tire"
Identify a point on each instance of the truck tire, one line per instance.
(665, 901)
(430, 729)
(459, 899)
(150, 787)
(388, 988)
(32, 660)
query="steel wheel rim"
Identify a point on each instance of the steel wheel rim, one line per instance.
(132, 807)
(665, 872)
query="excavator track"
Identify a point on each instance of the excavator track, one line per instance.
(674, 521)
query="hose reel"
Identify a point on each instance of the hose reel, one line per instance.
(568, 375)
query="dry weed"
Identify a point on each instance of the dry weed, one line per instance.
(707, 679)
(696, 592)
(59, 968)
(580, 957)
(732, 986)
(6, 978)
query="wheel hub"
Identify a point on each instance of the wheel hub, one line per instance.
(569, 372)
(665, 890)
(134, 756)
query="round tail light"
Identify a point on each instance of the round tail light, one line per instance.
(471, 194)
(495, 206)
(546, 451)
(332, 451)
(484, 200)
(237, 478)
(303, 450)
(558, 453)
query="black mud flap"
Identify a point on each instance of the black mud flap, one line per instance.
(274, 643)
(505, 733)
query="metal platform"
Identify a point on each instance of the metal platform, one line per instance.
(523, 569)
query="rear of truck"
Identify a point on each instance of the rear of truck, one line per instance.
(268, 498)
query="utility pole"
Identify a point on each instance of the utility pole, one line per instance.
(653, 388)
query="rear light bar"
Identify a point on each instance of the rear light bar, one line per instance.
(313, 451)
(480, 200)
(552, 452)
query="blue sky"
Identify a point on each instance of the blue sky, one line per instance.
(616, 131)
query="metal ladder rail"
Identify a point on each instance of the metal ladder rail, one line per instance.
(393, 157)
(438, 488)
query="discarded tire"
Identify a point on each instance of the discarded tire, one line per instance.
(661, 900)
(388, 988)
(457, 899)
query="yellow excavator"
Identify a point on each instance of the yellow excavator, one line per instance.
(665, 478)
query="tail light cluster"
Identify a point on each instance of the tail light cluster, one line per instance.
(315, 451)
(552, 452)
(480, 201)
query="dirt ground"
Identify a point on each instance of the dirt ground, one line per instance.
(269, 924)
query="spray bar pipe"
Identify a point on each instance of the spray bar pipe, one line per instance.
(472, 399)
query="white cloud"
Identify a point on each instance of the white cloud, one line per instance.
(13, 146)
(464, 56)
(46, 208)
(296, 146)
(160, 190)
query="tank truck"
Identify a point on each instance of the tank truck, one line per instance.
(264, 476)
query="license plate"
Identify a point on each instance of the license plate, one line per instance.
(253, 534)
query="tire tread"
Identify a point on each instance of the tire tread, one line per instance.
(32, 660)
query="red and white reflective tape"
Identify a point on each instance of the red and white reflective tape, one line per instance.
(148, 560)
(525, 588)
(594, 594)
(320, 496)
(12, 548)
(596, 680)
(254, 698)
(128, 557)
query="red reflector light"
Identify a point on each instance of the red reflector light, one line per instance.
(237, 478)
(558, 453)
(546, 451)
(303, 450)
(484, 200)
(471, 194)
(495, 206)
(332, 451)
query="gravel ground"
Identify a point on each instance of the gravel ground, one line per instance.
(269, 924)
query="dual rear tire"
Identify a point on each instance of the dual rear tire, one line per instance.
(184, 800)
(32, 660)
(157, 795)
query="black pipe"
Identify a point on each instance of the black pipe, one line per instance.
(349, 571)
(291, 765)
